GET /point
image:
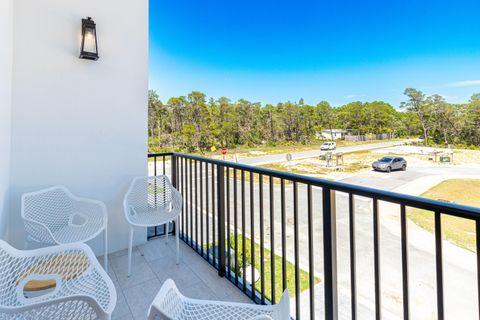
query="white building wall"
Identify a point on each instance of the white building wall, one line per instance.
(76, 122)
(6, 53)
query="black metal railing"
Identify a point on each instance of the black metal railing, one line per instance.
(231, 219)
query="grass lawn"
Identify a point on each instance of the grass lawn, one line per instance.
(290, 270)
(457, 230)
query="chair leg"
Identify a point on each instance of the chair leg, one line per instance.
(130, 252)
(166, 231)
(177, 240)
(25, 244)
(105, 255)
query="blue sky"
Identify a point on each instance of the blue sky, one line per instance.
(337, 50)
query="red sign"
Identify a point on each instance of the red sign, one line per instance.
(224, 151)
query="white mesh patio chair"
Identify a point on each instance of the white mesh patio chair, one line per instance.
(55, 216)
(151, 202)
(170, 304)
(54, 283)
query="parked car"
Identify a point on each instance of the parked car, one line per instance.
(326, 146)
(388, 164)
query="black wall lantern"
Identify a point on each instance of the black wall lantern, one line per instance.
(89, 49)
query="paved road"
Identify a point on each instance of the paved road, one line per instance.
(395, 179)
(275, 158)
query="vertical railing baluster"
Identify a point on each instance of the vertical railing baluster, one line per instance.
(244, 271)
(235, 224)
(201, 208)
(404, 239)
(284, 235)
(376, 261)
(296, 250)
(213, 218)
(221, 219)
(163, 160)
(173, 172)
(186, 201)
(166, 226)
(207, 213)
(155, 186)
(330, 253)
(477, 239)
(174, 175)
(262, 257)
(196, 205)
(155, 165)
(190, 173)
(252, 234)
(272, 239)
(439, 264)
(311, 254)
(228, 224)
(184, 192)
(353, 260)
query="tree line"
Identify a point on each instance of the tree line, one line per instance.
(194, 123)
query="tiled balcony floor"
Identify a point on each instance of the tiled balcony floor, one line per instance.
(152, 264)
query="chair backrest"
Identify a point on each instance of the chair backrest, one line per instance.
(52, 206)
(9, 265)
(149, 192)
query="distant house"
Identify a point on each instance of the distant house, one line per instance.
(333, 134)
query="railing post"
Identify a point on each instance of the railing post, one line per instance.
(174, 171)
(221, 219)
(330, 253)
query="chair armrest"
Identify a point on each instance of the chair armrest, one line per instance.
(90, 206)
(39, 231)
(177, 200)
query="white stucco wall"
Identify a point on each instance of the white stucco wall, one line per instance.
(77, 122)
(6, 52)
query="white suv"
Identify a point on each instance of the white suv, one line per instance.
(328, 146)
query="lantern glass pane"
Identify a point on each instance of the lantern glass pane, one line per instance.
(89, 44)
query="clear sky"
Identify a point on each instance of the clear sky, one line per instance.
(336, 50)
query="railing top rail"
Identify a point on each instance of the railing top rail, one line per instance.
(458, 210)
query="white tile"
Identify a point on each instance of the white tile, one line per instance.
(118, 253)
(121, 261)
(237, 297)
(183, 276)
(121, 309)
(209, 275)
(141, 272)
(124, 317)
(141, 296)
(155, 249)
(199, 291)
